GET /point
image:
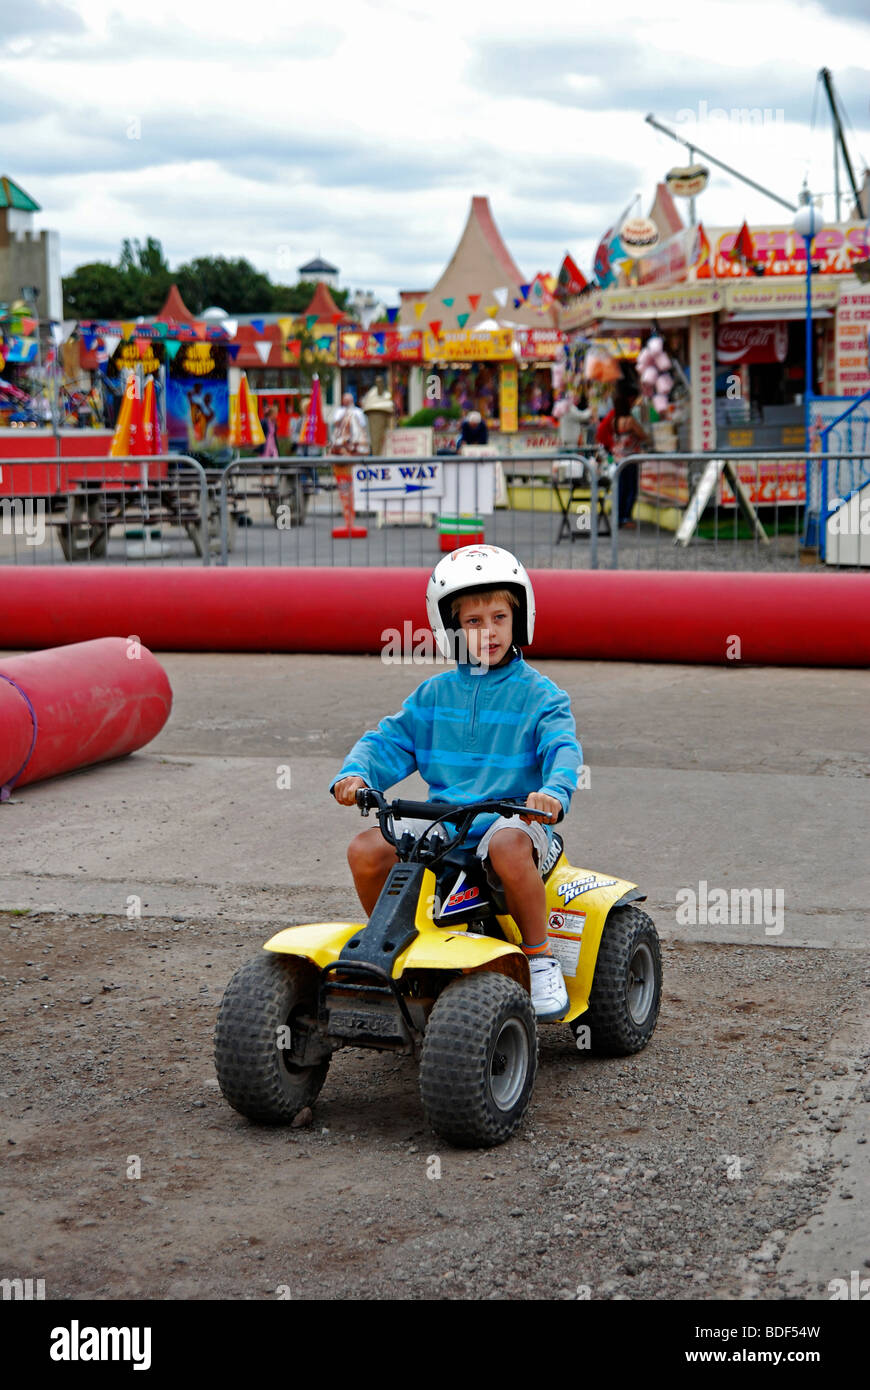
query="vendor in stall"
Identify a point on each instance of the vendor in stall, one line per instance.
(473, 430)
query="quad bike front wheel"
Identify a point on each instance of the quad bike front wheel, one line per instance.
(253, 1039)
(627, 985)
(479, 1060)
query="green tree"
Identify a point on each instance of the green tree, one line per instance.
(235, 285)
(149, 259)
(295, 299)
(138, 284)
(146, 276)
(96, 290)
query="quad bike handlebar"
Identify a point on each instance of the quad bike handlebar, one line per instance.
(461, 813)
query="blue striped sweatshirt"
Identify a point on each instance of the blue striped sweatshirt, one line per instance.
(505, 733)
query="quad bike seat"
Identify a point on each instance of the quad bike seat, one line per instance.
(464, 890)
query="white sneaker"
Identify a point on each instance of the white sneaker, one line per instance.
(549, 995)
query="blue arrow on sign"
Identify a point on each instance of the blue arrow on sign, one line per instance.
(391, 487)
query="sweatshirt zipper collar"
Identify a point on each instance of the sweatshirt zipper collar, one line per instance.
(468, 674)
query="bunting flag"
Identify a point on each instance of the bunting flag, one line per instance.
(144, 346)
(294, 344)
(517, 303)
(285, 327)
(435, 327)
(491, 311)
(258, 325)
(310, 321)
(232, 349)
(501, 295)
(744, 246)
(230, 327)
(336, 317)
(420, 309)
(159, 328)
(474, 300)
(262, 349)
(127, 330)
(448, 303)
(571, 281)
(173, 347)
(462, 319)
(324, 342)
(200, 330)
(701, 256)
(381, 339)
(524, 290)
(392, 315)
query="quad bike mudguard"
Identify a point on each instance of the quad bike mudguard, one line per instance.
(431, 948)
(578, 902)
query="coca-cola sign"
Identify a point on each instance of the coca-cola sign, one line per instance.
(752, 342)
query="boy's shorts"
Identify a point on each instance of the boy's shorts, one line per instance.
(535, 830)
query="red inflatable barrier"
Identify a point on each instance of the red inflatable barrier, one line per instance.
(17, 733)
(781, 619)
(75, 705)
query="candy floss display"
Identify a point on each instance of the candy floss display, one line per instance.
(656, 381)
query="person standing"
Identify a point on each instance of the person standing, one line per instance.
(629, 437)
(573, 420)
(349, 428)
(270, 423)
(473, 430)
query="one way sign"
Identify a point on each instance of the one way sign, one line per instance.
(386, 482)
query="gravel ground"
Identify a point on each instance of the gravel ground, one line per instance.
(678, 1173)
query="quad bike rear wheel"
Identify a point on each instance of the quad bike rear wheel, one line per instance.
(480, 1056)
(627, 985)
(265, 997)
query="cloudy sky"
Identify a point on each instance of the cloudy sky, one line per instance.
(361, 128)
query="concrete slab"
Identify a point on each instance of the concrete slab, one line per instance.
(737, 779)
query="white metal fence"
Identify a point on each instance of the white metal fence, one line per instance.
(719, 511)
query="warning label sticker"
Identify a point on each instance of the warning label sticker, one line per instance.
(565, 930)
(568, 923)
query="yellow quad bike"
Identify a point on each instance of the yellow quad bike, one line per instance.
(438, 973)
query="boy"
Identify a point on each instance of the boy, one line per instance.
(491, 728)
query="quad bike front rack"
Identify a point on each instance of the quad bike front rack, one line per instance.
(372, 1012)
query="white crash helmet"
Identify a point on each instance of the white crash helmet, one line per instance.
(467, 571)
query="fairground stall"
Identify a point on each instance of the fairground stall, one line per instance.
(728, 308)
(490, 343)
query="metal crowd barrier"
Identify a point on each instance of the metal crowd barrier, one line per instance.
(554, 509)
(719, 540)
(100, 509)
(284, 511)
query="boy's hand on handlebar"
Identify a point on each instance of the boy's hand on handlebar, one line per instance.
(345, 791)
(539, 801)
